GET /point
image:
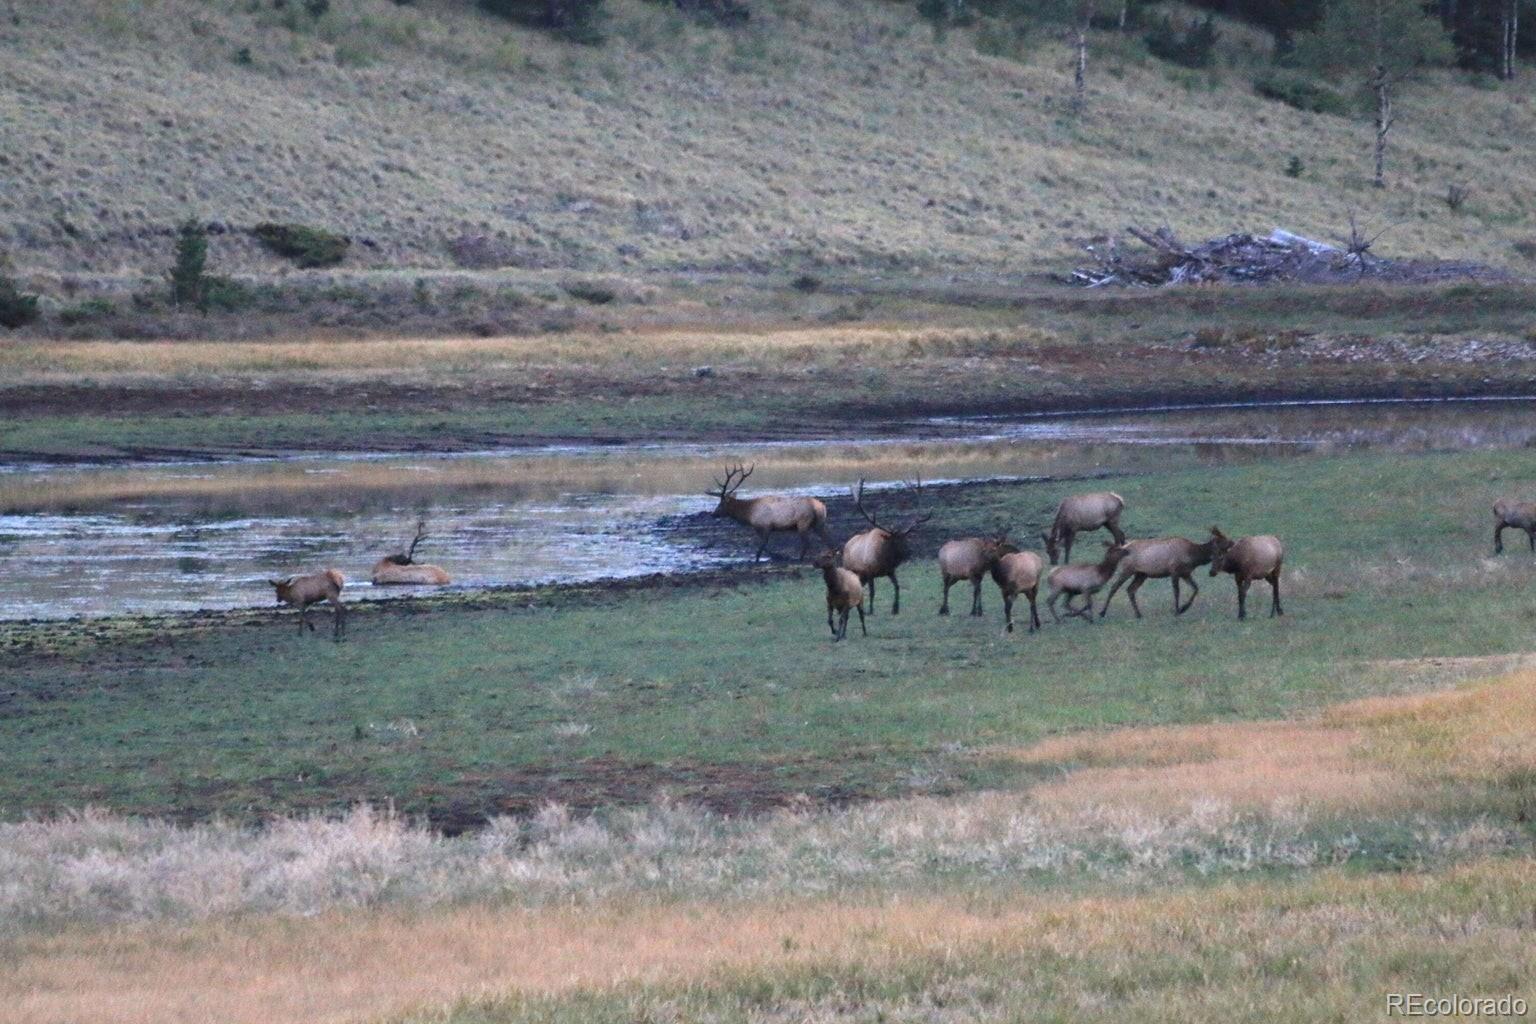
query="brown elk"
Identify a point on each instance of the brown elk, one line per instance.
(1082, 581)
(1163, 558)
(1080, 513)
(880, 550)
(302, 591)
(1249, 559)
(1019, 573)
(970, 558)
(1519, 515)
(770, 513)
(845, 593)
(402, 569)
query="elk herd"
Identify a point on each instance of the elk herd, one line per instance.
(849, 572)
(880, 550)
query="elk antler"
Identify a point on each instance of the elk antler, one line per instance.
(922, 517)
(735, 476)
(421, 535)
(858, 504)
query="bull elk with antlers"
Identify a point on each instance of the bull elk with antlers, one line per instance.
(770, 513)
(880, 550)
(402, 569)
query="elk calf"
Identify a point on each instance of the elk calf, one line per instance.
(1081, 513)
(845, 593)
(302, 591)
(1164, 558)
(970, 558)
(1082, 581)
(770, 513)
(1019, 573)
(879, 550)
(1249, 559)
(1519, 515)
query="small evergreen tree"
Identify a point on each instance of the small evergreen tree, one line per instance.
(17, 308)
(189, 286)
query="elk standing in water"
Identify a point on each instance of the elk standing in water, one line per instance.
(770, 513)
(1019, 573)
(1249, 559)
(1519, 515)
(1081, 513)
(402, 570)
(1083, 581)
(880, 550)
(970, 558)
(845, 593)
(1163, 558)
(302, 591)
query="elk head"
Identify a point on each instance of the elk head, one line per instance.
(410, 552)
(899, 536)
(726, 489)
(1221, 544)
(1052, 546)
(828, 559)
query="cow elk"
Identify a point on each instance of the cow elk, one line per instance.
(1083, 581)
(845, 593)
(1163, 558)
(770, 513)
(880, 550)
(402, 569)
(970, 558)
(302, 591)
(1081, 513)
(1019, 573)
(1249, 559)
(1511, 514)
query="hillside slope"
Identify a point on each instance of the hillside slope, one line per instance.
(825, 131)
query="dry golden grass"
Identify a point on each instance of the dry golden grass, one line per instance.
(825, 131)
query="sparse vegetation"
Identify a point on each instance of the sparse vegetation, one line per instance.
(17, 308)
(1302, 93)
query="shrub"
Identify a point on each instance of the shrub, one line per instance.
(1194, 47)
(17, 309)
(1456, 196)
(307, 247)
(1295, 168)
(577, 21)
(942, 15)
(226, 295)
(187, 284)
(807, 283)
(90, 309)
(588, 291)
(1302, 93)
(712, 12)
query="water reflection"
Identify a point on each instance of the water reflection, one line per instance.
(177, 537)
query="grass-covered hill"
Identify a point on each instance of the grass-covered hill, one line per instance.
(820, 132)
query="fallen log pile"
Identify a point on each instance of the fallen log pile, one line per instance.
(1277, 257)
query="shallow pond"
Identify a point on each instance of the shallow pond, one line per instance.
(205, 535)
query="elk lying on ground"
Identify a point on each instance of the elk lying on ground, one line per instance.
(880, 550)
(1019, 573)
(1519, 515)
(845, 593)
(1163, 558)
(770, 513)
(302, 591)
(970, 558)
(401, 569)
(1082, 581)
(1080, 513)
(1249, 559)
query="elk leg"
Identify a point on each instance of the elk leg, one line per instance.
(944, 607)
(1007, 613)
(1274, 586)
(1242, 598)
(1050, 605)
(805, 543)
(303, 618)
(1530, 535)
(862, 628)
(871, 595)
(762, 538)
(339, 626)
(842, 624)
(976, 597)
(1112, 592)
(1130, 592)
(1194, 592)
(831, 624)
(895, 601)
(1498, 539)
(1066, 546)
(1034, 613)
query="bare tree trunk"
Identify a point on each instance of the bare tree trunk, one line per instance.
(1381, 83)
(1080, 75)
(1125, 12)
(1511, 27)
